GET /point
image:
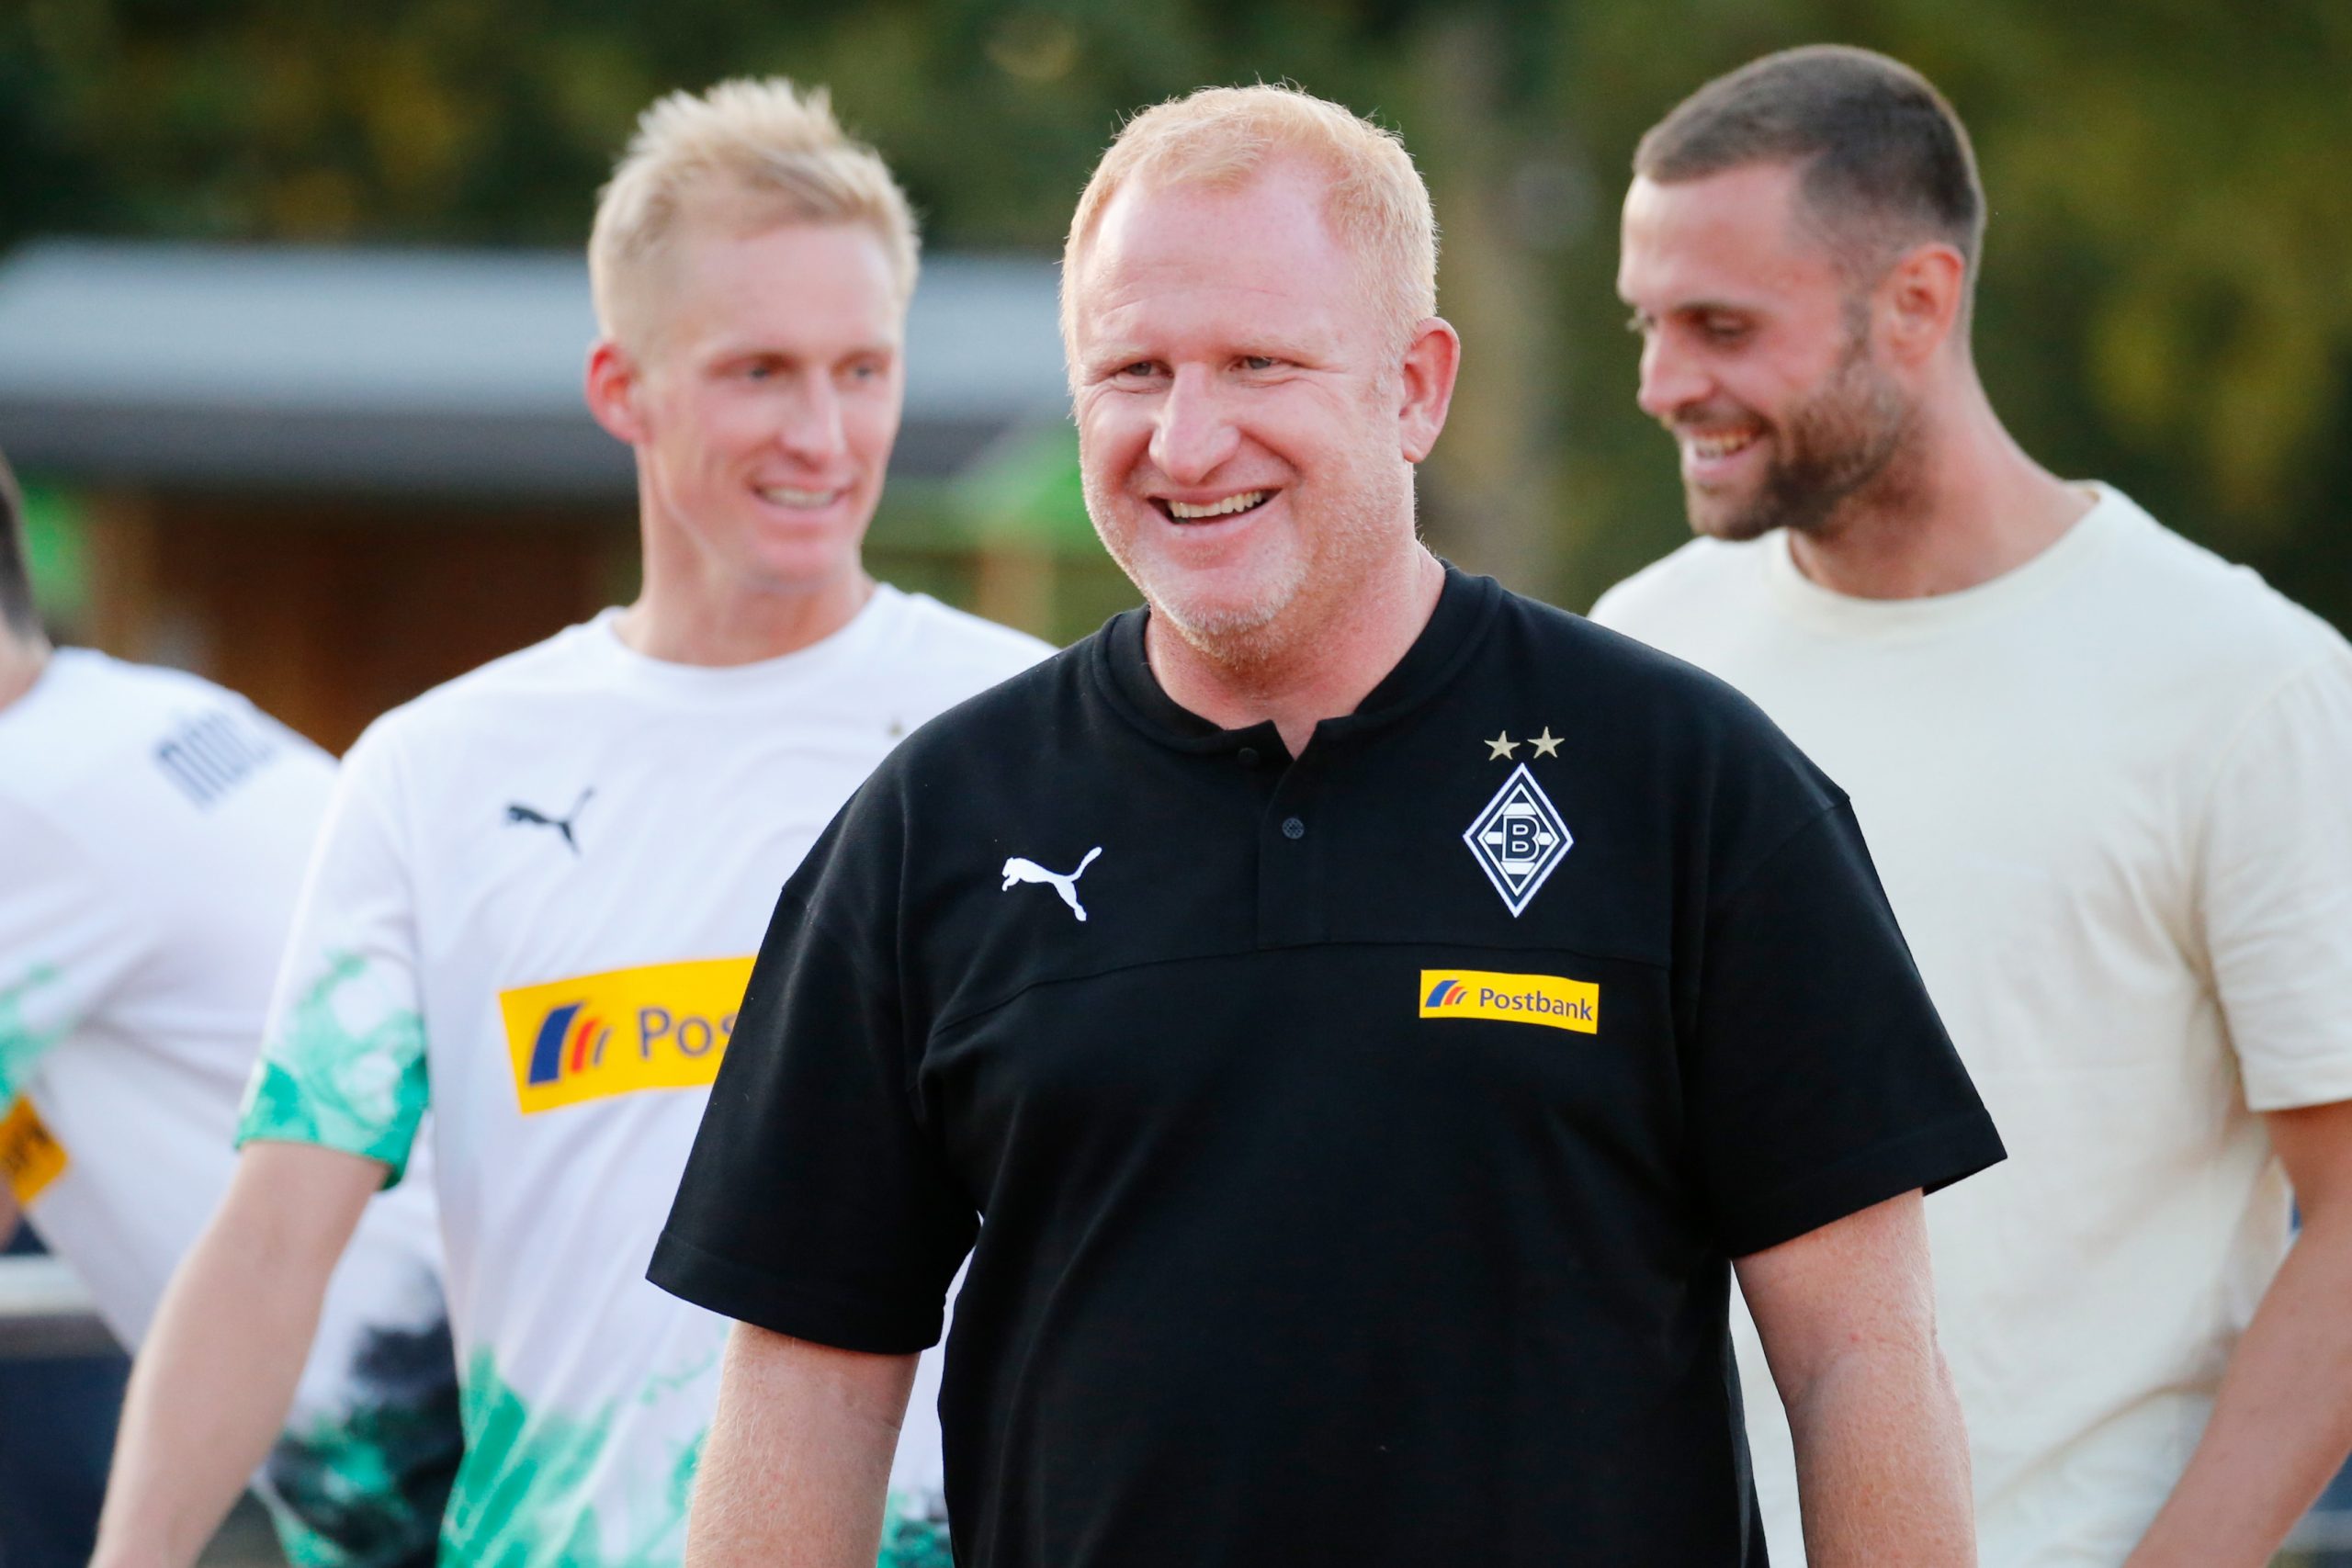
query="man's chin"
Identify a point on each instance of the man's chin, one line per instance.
(1722, 517)
(1206, 619)
(1224, 623)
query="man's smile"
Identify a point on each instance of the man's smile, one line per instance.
(799, 499)
(1711, 453)
(1209, 511)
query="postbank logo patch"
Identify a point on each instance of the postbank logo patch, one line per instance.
(30, 1155)
(1547, 1000)
(661, 1026)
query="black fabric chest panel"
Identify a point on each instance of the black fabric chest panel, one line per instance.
(1247, 985)
(1396, 868)
(1197, 856)
(1269, 1074)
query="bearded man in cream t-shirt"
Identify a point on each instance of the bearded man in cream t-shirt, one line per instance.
(2104, 776)
(539, 888)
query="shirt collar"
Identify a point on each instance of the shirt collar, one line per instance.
(1466, 607)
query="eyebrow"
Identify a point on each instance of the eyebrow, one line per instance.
(1105, 360)
(736, 353)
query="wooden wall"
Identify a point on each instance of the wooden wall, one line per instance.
(326, 615)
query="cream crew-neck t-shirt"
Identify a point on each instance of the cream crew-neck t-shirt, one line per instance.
(2109, 794)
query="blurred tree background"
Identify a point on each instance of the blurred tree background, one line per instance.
(2167, 300)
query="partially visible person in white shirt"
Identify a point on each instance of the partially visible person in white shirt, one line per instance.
(2105, 775)
(154, 831)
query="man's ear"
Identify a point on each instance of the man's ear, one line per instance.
(611, 388)
(1432, 360)
(1918, 302)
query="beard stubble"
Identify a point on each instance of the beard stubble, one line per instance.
(1846, 451)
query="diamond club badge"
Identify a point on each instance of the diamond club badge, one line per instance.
(1519, 839)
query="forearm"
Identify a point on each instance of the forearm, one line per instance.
(211, 1386)
(1848, 1317)
(1883, 1462)
(799, 1459)
(2281, 1424)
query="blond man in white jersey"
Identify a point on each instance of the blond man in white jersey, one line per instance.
(153, 828)
(2103, 777)
(540, 886)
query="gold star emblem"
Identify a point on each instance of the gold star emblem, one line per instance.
(1502, 746)
(1547, 744)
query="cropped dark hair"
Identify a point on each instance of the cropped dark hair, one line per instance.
(1885, 162)
(17, 612)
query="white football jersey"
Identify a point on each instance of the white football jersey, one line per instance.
(534, 910)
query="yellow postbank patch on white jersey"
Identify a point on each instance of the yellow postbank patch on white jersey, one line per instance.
(657, 1026)
(1548, 1000)
(30, 1155)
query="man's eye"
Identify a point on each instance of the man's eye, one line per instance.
(1718, 331)
(1259, 362)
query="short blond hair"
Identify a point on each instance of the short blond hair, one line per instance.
(755, 154)
(1377, 207)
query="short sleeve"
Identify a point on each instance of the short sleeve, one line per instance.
(67, 943)
(342, 1063)
(815, 1202)
(2275, 876)
(1818, 1078)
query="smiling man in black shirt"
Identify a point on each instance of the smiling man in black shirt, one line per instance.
(1371, 1012)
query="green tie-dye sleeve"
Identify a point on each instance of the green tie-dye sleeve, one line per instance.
(342, 1057)
(344, 1068)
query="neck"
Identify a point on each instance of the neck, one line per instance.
(1964, 505)
(692, 612)
(743, 627)
(1303, 675)
(23, 656)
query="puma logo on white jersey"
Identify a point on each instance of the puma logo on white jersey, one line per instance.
(1021, 869)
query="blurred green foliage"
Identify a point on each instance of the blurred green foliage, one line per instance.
(2166, 301)
(57, 547)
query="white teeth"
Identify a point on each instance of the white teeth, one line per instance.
(778, 495)
(1225, 508)
(1708, 449)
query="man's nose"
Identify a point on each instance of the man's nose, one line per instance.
(1669, 379)
(1192, 434)
(811, 422)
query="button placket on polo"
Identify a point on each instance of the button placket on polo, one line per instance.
(1291, 905)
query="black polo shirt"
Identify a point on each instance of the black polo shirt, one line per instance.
(1362, 1136)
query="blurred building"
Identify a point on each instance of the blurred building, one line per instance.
(331, 478)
